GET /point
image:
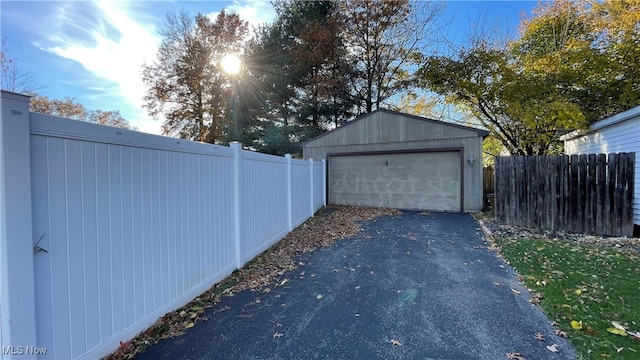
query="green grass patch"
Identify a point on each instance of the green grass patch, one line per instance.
(588, 284)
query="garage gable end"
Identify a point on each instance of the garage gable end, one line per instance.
(385, 126)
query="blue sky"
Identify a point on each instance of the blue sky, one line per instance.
(93, 50)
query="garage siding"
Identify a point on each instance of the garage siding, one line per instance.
(423, 180)
(387, 131)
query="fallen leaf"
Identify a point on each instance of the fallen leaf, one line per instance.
(577, 325)
(538, 336)
(515, 356)
(634, 335)
(396, 342)
(617, 325)
(553, 348)
(515, 291)
(590, 331)
(621, 332)
(560, 333)
(578, 291)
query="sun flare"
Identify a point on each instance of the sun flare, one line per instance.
(231, 64)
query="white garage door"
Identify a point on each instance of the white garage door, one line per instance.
(426, 180)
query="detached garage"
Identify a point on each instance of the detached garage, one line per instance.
(391, 159)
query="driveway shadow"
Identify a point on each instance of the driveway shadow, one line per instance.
(415, 286)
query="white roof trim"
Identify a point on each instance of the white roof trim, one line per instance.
(612, 120)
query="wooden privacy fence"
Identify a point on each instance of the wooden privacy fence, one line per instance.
(581, 193)
(487, 180)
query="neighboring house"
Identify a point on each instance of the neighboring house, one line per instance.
(391, 159)
(615, 134)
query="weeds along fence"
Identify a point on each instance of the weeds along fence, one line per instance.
(105, 230)
(590, 194)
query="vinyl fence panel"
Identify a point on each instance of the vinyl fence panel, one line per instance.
(300, 201)
(124, 227)
(264, 202)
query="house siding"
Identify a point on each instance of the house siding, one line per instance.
(607, 136)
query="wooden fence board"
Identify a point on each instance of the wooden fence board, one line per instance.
(601, 176)
(487, 180)
(612, 161)
(580, 193)
(591, 196)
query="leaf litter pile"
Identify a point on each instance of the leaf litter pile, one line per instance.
(588, 286)
(329, 225)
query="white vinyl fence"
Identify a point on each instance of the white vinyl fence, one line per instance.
(105, 230)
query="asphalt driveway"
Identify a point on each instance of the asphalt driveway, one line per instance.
(415, 286)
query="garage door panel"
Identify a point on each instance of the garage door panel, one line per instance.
(361, 199)
(427, 180)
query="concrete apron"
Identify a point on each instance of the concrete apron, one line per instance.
(414, 286)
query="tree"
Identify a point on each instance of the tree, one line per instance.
(557, 77)
(69, 108)
(417, 104)
(109, 118)
(384, 40)
(324, 89)
(300, 76)
(519, 110)
(186, 84)
(589, 49)
(13, 78)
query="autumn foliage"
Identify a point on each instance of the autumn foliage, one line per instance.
(574, 63)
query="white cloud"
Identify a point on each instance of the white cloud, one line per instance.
(114, 45)
(117, 59)
(255, 12)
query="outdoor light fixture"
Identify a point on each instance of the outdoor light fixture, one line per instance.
(471, 160)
